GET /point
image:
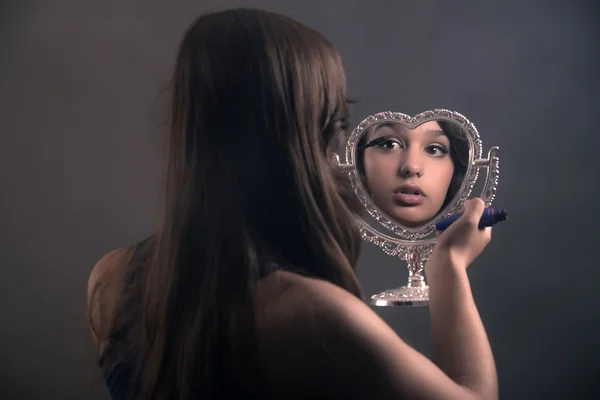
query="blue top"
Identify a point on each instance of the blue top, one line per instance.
(119, 379)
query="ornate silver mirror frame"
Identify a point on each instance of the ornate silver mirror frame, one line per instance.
(414, 245)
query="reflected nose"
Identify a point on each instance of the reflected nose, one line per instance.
(411, 165)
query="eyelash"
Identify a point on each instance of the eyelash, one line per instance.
(384, 140)
(443, 150)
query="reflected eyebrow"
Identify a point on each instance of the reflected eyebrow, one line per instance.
(436, 132)
(390, 125)
(371, 132)
(397, 128)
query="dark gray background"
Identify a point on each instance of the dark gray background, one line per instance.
(80, 124)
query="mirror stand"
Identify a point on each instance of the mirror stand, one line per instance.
(414, 293)
(416, 254)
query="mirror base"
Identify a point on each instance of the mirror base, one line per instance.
(405, 296)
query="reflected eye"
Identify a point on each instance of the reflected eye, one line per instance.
(389, 144)
(384, 143)
(436, 150)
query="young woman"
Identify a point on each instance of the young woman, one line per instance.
(411, 174)
(248, 290)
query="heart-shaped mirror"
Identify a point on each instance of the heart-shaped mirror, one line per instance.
(410, 173)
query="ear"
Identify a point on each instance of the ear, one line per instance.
(334, 159)
(337, 144)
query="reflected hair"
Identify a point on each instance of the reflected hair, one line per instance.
(258, 100)
(459, 154)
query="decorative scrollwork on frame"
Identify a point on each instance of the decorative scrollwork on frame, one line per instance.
(396, 247)
(493, 174)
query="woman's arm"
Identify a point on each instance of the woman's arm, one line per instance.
(460, 345)
(326, 342)
(332, 345)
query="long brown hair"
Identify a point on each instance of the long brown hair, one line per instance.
(258, 101)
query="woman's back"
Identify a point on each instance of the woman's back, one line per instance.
(298, 320)
(286, 299)
(285, 305)
(257, 102)
(317, 340)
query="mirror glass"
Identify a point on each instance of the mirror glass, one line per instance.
(411, 174)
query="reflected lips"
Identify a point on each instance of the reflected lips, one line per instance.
(409, 195)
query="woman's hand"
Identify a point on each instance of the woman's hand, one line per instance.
(463, 241)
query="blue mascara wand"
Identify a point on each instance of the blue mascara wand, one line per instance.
(490, 217)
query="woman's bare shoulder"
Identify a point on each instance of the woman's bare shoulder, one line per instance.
(286, 298)
(109, 261)
(104, 271)
(103, 290)
(303, 324)
(320, 340)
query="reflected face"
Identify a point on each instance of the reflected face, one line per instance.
(407, 172)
